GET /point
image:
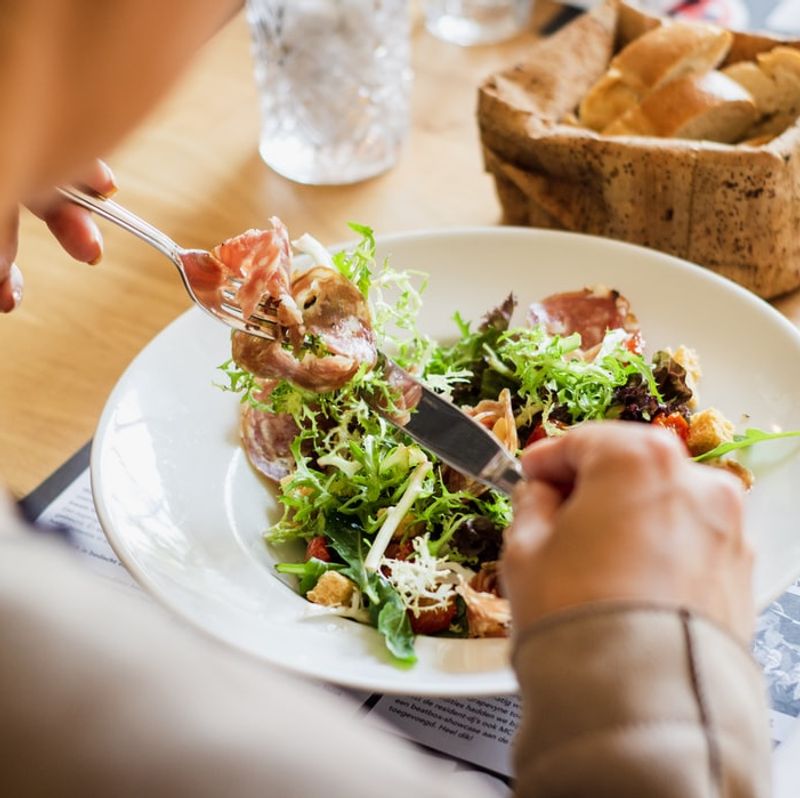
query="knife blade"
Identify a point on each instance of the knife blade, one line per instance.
(449, 433)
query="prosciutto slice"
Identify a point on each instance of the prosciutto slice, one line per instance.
(262, 260)
(590, 312)
(497, 415)
(488, 615)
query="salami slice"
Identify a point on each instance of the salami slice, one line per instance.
(590, 312)
(336, 316)
(266, 438)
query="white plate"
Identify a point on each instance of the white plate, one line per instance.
(185, 512)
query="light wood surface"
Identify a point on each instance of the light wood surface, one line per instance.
(194, 171)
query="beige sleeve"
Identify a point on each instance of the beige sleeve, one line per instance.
(103, 694)
(627, 701)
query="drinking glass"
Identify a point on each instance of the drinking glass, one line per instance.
(469, 22)
(334, 81)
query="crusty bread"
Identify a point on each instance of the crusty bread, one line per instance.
(608, 99)
(710, 106)
(663, 54)
(669, 52)
(782, 63)
(761, 86)
(773, 80)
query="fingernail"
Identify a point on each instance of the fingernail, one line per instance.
(109, 176)
(15, 277)
(97, 240)
(11, 290)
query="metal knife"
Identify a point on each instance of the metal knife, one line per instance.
(448, 432)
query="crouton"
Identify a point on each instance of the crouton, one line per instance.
(707, 429)
(332, 590)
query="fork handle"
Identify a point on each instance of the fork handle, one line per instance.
(122, 217)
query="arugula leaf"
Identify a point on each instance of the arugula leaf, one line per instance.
(750, 437)
(346, 536)
(389, 615)
(386, 609)
(308, 572)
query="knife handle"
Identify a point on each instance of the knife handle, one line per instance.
(502, 473)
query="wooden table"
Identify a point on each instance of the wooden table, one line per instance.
(194, 171)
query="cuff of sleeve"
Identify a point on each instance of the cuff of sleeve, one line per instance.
(605, 678)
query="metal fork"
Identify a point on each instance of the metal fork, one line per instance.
(198, 268)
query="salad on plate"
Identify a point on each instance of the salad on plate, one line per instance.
(389, 535)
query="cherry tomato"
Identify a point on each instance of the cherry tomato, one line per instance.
(399, 550)
(674, 422)
(318, 547)
(634, 343)
(433, 620)
(539, 432)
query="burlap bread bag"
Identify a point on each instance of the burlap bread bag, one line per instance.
(732, 208)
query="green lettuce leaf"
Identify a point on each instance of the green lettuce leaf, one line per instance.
(308, 572)
(744, 441)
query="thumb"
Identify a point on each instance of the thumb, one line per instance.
(11, 289)
(10, 275)
(535, 506)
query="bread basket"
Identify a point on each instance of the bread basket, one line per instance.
(733, 208)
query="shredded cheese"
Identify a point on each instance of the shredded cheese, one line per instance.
(394, 516)
(423, 583)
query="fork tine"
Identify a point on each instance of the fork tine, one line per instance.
(256, 319)
(267, 309)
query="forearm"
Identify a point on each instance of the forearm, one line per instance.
(632, 701)
(76, 75)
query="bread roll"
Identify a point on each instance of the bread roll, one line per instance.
(662, 54)
(608, 99)
(782, 65)
(774, 83)
(761, 86)
(711, 106)
(671, 51)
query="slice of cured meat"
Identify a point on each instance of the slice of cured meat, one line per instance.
(266, 438)
(262, 259)
(335, 315)
(335, 312)
(590, 312)
(488, 615)
(497, 415)
(407, 390)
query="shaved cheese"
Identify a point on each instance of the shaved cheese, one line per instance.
(309, 245)
(395, 515)
(423, 583)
